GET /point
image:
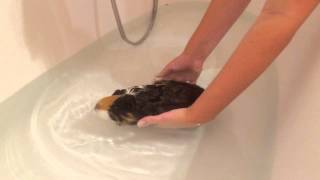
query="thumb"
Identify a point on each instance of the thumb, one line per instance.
(160, 76)
(164, 72)
(150, 120)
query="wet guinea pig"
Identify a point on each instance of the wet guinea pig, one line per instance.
(127, 106)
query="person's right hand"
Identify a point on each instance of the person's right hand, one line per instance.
(182, 68)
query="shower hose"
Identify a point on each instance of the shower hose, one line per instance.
(121, 28)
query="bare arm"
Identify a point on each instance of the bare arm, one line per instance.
(270, 34)
(219, 17)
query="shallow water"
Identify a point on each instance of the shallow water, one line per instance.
(71, 141)
(48, 130)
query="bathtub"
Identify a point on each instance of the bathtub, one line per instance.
(269, 132)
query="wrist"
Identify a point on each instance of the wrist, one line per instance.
(195, 57)
(194, 61)
(193, 117)
(200, 50)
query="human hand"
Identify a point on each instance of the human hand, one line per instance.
(178, 118)
(183, 68)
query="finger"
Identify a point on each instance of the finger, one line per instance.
(179, 78)
(165, 78)
(165, 120)
(165, 72)
(184, 78)
(157, 78)
(161, 77)
(191, 81)
(149, 120)
(169, 77)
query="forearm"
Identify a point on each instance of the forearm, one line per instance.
(261, 45)
(220, 16)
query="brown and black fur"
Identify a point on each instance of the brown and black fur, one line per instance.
(162, 96)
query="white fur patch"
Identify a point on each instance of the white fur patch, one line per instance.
(103, 114)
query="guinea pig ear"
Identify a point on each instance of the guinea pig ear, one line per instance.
(106, 102)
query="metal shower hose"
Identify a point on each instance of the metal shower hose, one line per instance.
(120, 25)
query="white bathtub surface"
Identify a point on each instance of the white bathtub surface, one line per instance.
(269, 132)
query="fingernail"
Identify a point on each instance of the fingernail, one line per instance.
(143, 124)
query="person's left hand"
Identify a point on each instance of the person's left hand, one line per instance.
(183, 68)
(177, 118)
